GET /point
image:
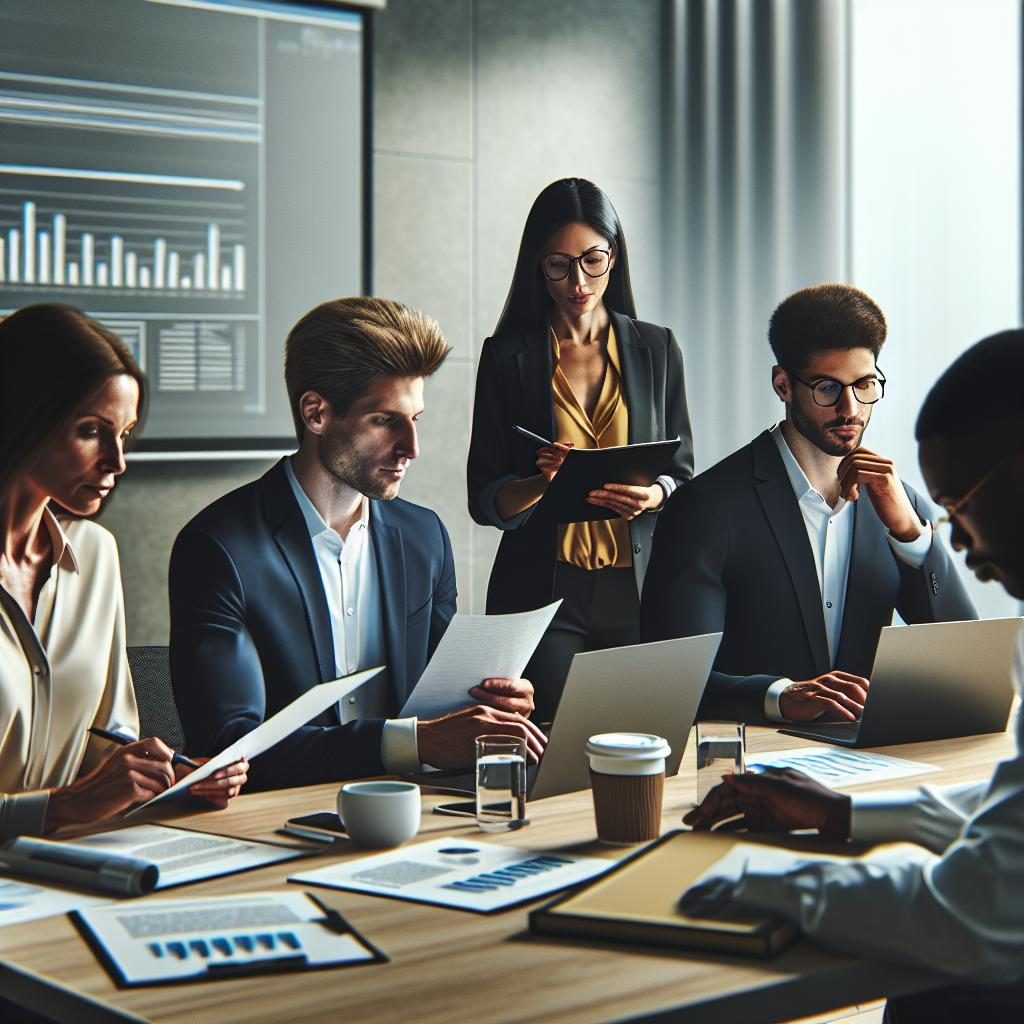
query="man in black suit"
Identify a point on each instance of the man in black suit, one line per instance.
(317, 570)
(799, 546)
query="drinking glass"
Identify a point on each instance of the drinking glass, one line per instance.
(500, 783)
(720, 751)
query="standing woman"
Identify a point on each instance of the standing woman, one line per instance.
(70, 394)
(570, 361)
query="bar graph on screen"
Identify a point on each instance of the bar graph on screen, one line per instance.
(191, 175)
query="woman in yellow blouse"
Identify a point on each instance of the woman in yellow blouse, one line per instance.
(569, 360)
(70, 394)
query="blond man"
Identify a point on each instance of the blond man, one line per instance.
(318, 569)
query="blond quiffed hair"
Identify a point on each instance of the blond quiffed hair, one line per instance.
(339, 348)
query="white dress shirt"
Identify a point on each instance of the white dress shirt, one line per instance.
(952, 903)
(348, 571)
(830, 534)
(61, 673)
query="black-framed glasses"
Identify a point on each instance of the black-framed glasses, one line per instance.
(556, 266)
(827, 391)
(957, 506)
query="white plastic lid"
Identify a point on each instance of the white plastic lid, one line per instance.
(632, 746)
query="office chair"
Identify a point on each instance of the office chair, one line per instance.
(158, 714)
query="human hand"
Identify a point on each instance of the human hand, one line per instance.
(506, 695)
(130, 774)
(628, 500)
(220, 787)
(877, 475)
(447, 742)
(779, 800)
(551, 457)
(840, 695)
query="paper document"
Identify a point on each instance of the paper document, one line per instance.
(837, 767)
(474, 648)
(25, 901)
(222, 936)
(273, 730)
(460, 873)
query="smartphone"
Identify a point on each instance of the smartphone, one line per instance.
(324, 825)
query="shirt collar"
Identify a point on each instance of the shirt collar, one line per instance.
(63, 552)
(797, 477)
(314, 521)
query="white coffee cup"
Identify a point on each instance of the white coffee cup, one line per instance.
(380, 814)
(627, 779)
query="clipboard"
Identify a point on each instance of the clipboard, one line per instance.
(156, 942)
(585, 469)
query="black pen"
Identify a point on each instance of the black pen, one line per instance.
(116, 737)
(532, 436)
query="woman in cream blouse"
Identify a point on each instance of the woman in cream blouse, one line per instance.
(70, 394)
(569, 361)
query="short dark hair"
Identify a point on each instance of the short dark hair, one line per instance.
(339, 348)
(982, 387)
(566, 201)
(822, 317)
(53, 359)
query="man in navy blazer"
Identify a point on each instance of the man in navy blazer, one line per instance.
(799, 546)
(317, 570)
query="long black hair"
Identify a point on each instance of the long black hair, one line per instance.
(567, 201)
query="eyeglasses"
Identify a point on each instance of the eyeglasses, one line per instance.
(957, 506)
(556, 266)
(827, 391)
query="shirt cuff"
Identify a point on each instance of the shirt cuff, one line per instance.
(398, 747)
(883, 817)
(668, 485)
(23, 814)
(913, 552)
(772, 711)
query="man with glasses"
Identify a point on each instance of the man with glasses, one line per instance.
(951, 902)
(799, 546)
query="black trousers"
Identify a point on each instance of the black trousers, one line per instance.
(600, 609)
(955, 1004)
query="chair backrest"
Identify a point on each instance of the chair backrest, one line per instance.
(158, 714)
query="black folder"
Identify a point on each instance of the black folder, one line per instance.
(585, 469)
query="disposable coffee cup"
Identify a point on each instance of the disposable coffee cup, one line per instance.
(627, 778)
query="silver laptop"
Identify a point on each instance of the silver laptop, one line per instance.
(651, 688)
(931, 682)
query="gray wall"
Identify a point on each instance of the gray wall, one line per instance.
(477, 105)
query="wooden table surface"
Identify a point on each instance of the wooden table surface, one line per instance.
(449, 965)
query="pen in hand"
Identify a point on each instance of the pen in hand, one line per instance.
(532, 436)
(123, 741)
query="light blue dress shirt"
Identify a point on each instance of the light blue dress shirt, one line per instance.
(348, 571)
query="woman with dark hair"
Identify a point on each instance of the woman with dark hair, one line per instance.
(70, 395)
(569, 360)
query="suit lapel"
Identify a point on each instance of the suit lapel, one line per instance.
(637, 379)
(782, 511)
(292, 539)
(389, 552)
(868, 538)
(535, 370)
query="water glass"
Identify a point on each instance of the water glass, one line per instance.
(720, 751)
(500, 783)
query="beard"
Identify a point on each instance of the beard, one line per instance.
(347, 465)
(817, 433)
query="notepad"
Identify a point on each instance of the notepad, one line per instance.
(193, 940)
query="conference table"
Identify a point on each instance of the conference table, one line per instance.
(449, 965)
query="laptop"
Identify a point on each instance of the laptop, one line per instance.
(653, 688)
(930, 682)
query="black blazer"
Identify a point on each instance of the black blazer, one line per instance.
(513, 387)
(731, 553)
(250, 630)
